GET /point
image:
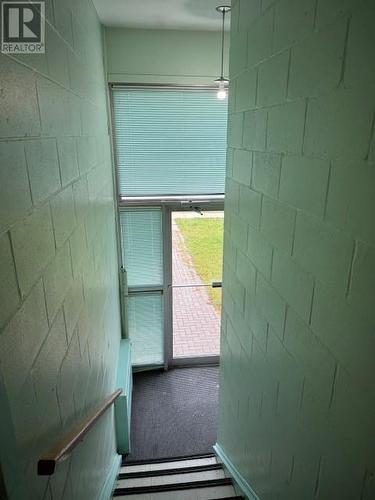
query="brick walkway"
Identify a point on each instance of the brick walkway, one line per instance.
(196, 323)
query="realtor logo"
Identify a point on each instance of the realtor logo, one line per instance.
(22, 27)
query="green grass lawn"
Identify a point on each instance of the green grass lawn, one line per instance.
(204, 241)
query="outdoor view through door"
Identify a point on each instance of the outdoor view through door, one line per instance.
(170, 148)
(197, 240)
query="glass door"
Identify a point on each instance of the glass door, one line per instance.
(197, 254)
(172, 270)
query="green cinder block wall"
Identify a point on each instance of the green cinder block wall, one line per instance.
(59, 314)
(297, 399)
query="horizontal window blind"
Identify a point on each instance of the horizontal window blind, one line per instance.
(146, 328)
(169, 142)
(142, 247)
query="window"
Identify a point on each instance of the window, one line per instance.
(169, 142)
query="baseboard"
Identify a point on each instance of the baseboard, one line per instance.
(237, 477)
(110, 481)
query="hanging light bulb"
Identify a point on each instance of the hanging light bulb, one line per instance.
(223, 82)
(222, 92)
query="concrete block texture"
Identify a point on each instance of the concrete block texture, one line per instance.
(19, 116)
(316, 63)
(242, 166)
(294, 20)
(293, 283)
(273, 79)
(359, 66)
(350, 195)
(9, 293)
(266, 173)
(22, 339)
(338, 124)
(271, 304)
(260, 39)
(33, 246)
(277, 224)
(57, 279)
(260, 252)
(361, 289)
(250, 206)
(297, 357)
(59, 314)
(304, 183)
(329, 12)
(324, 251)
(63, 215)
(246, 90)
(68, 160)
(249, 12)
(285, 128)
(235, 130)
(43, 167)
(15, 195)
(309, 352)
(237, 63)
(255, 129)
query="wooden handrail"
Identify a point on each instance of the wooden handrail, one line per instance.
(47, 464)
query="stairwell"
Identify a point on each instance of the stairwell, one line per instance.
(198, 477)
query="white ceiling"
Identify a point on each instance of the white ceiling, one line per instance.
(161, 14)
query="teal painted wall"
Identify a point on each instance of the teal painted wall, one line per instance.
(163, 56)
(297, 402)
(59, 316)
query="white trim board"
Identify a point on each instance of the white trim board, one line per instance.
(237, 477)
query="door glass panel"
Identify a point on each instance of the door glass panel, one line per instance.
(142, 246)
(145, 317)
(142, 256)
(197, 244)
(196, 323)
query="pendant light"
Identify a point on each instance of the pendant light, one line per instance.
(222, 82)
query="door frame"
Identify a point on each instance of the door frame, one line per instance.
(170, 361)
(167, 204)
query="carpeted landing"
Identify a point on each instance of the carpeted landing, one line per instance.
(174, 413)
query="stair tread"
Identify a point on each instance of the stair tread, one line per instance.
(230, 498)
(174, 464)
(173, 486)
(209, 493)
(187, 477)
(166, 459)
(165, 472)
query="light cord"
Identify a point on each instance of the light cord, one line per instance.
(222, 46)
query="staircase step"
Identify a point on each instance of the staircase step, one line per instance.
(170, 464)
(166, 472)
(186, 485)
(218, 493)
(125, 461)
(208, 493)
(161, 480)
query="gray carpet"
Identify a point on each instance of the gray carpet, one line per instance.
(174, 413)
